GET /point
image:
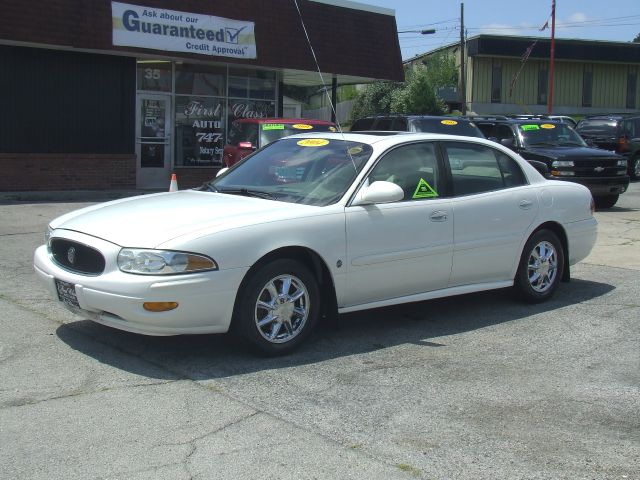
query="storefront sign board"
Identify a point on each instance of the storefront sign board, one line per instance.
(162, 29)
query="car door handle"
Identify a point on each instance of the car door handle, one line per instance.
(438, 216)
(525, 204)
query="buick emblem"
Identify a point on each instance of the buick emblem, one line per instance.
(71, 255)
(599, 169)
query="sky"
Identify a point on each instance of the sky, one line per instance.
(613, 20)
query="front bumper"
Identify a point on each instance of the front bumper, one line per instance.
(115, 298)
(601, 186)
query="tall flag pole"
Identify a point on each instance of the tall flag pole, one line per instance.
(553, 54)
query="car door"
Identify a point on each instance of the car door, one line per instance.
(401, 248)
(493, 207)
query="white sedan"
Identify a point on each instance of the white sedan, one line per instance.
(311, 225)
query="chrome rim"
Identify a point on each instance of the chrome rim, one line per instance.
(282, 309)
(542, 266)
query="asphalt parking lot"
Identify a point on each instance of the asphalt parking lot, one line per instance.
(473, 387)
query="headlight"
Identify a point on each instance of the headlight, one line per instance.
(162, 262)
(562, 163)
(622, 163)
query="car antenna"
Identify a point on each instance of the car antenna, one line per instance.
(324, 85)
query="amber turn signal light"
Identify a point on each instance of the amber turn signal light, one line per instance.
(159, 306)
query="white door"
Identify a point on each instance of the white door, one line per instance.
(153, 141)
(401, 248)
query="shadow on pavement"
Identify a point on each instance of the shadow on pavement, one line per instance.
(201, 357)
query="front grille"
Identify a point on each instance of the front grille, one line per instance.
(77, 257)
(596, 167)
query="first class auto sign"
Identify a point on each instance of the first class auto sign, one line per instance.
(161, 29)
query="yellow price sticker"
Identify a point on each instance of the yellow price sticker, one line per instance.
(448, 122)
(313, 142)
(548, 126)
(302, 126)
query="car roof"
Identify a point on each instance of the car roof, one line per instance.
(531, 120)
(309, 121)
(413, 116)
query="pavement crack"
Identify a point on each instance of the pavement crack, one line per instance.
(77, 393)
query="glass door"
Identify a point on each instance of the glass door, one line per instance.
(153, 141)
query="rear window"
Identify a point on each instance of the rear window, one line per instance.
(448, 126)
(598, 127)
(362, 124)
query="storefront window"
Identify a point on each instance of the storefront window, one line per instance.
(154, 76)
(258, 84)
(239, 108)
(200, 131)
(200, 80)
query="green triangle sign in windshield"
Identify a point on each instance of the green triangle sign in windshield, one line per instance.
(424, 190)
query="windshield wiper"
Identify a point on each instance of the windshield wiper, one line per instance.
(247, 193)
(208, 187)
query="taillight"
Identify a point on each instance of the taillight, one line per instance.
(623, 144)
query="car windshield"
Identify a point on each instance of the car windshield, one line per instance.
(550, 134)
(270, 132)
(447, 126)
(309, 171)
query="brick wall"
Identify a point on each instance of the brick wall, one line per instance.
(50, 172)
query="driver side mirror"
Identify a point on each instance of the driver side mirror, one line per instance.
(379, 192)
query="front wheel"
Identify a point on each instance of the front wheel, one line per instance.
(277, 307)
(541, 267)
(606, 202)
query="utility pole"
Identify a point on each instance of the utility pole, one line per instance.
(553, 54)
(463, 82)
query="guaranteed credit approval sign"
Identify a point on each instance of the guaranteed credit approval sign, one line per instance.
(161, 29)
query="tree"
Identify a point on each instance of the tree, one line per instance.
(637, 39)
(416, 95)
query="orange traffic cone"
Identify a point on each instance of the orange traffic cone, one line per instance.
(173, 186)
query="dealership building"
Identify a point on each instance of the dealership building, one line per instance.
(101, 95)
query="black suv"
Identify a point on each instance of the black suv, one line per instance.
(618, 133)
(418, 123)
(565, 154)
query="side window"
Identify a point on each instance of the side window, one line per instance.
(511, 171)
(505, 135)
(475, 168)
(413, 167)
(486, 129)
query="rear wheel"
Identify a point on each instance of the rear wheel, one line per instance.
(606, 202)
(278, 307)
(541, 267)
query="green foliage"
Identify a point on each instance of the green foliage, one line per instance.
(374, 98)
(416, 95)
(637, 39)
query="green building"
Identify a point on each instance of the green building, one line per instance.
(510, 75)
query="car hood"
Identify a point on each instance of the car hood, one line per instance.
(151, 220)
(571, 153)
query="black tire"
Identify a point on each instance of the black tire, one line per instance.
(537, 281)
(287, 318)
(606, 202)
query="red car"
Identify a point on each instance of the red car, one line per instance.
(249, 134)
